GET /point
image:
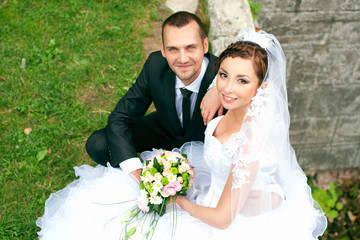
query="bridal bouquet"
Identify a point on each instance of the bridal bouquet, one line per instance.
(165, 175)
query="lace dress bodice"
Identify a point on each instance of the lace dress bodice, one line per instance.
(219, 157)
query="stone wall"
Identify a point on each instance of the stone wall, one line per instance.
(321, 41)
(227, 18)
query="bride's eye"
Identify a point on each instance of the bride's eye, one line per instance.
(241, 80)
(222, 75)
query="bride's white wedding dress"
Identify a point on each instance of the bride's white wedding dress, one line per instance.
(87, 209)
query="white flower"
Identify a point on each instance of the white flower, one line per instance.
(142, 202)
(143, 193)
(149, 177)
(180, 179)
(164, 194)
(191, 172)
(154, 193)
(157, 186)
(171, 177)
(167, 165)
(183, 168)
(172, 156)
(158, 176)
(143, 179)
(156, 200)
(166, 173)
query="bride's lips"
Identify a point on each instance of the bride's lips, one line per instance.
(228, 99)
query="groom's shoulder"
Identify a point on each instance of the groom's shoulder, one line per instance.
(156, 57)
(212, 58)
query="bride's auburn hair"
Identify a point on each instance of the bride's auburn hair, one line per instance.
(247, 50)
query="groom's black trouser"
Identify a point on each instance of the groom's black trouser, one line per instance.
(147, 134)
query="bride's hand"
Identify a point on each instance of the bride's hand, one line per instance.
(136, 173)
(180, 200)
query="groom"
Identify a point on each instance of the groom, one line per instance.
(176, 80)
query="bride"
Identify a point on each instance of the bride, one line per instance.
(249, 186)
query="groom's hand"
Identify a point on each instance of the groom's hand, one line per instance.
(136, 174)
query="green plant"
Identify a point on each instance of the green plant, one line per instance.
(64, 65)
(255, 9)
(329, 200)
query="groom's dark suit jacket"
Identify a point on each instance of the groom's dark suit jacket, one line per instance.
(127, 127)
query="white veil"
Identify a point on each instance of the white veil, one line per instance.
(278, 186)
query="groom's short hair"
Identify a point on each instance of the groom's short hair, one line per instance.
(180, 19)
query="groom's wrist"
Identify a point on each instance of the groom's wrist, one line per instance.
(131, 165)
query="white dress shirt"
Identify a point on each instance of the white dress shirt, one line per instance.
(135, 163)
(194, 87)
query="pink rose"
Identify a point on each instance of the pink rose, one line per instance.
(172, 188)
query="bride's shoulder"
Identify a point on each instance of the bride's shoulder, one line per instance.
(212, 125)
(215, 121)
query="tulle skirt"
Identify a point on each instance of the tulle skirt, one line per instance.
(95, 206)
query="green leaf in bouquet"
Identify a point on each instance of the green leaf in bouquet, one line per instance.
(135, 213)
(129, 213)
(156, 207)
(151, 210)
(185, 183)
(174, 170)
(162, 210)
(182, 193)
(164, 181)
(131, 232)
(185, 176)
(185, 188)
(156, 165)
(166, 201)
(153, 171)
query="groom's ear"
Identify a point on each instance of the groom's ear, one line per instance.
(206, 45)
(162, 50)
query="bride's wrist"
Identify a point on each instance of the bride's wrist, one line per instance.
(179, 200)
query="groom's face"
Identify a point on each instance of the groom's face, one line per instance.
(184, 50)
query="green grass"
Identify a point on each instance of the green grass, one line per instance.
(81, 56)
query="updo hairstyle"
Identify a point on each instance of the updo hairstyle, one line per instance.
(247, 50)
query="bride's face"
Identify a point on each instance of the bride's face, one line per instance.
(236, 83)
